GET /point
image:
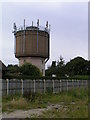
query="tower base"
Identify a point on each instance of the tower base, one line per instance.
(37, 61)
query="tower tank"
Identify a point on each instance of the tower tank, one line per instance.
(32, 45)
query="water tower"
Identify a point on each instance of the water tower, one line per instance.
(32, 44)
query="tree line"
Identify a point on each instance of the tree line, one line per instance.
(76, 66)
(26, 69)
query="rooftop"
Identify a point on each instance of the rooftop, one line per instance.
(2, 66)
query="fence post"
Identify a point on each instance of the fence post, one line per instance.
(34, 85)
(7, 85)
(44, 86)
(72, 83)
(78, 84)
(82, 84)
(60, 85)
(67, 85)
(53, 85)
(87, 84)
(22, 86)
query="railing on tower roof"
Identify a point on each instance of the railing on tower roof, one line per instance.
(41, 28)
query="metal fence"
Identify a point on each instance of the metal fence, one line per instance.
(14, 86)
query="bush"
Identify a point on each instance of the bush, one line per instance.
(29, 69)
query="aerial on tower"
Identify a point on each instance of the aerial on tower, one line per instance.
(32, 44)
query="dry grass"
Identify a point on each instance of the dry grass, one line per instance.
(20, 103)
(15, 104)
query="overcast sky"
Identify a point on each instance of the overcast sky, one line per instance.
(69, 27)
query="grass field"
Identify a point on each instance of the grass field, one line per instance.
(73, 104)
(81, 77)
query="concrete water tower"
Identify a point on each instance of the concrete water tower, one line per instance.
(32, 44)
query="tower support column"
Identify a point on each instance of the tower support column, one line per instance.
(37, 61)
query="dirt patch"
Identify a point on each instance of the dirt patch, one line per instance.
(29, 113)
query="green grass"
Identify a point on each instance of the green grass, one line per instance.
(77, 96)
(81, 77)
